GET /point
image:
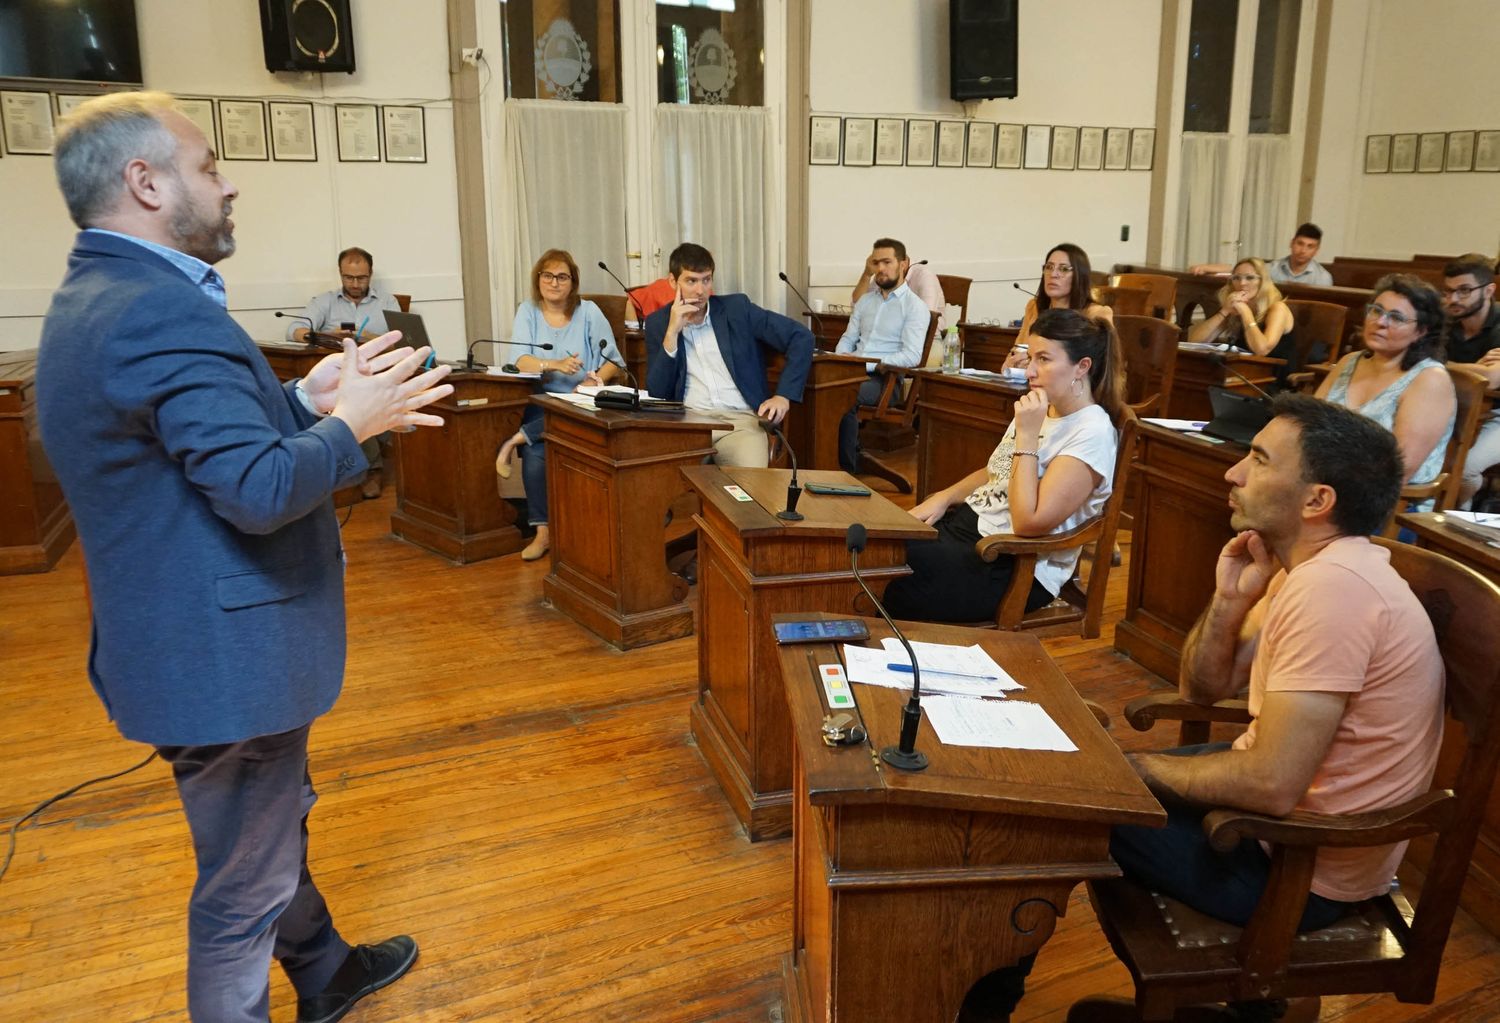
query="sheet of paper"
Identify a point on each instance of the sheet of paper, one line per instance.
(1202, 346)
(969, 662)
(871, 666)
(995, 724)
(496, 371)
(1185, 425)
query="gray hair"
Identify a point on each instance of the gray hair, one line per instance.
(99, 138)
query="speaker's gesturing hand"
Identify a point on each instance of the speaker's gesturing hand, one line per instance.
(381, 393)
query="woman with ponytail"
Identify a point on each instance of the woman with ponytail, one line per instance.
(1052, 470)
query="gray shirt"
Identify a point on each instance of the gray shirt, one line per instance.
(1313, 273)
(331, 308)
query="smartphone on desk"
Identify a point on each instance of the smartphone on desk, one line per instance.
(835, 630)
(837, 489)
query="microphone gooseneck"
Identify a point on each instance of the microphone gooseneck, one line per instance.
(640, 316)
(905, 756)
(794, 489)
(612, 399)
(805, 303)
(312, 337)
(1219, 360)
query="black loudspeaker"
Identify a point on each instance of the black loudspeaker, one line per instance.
(982, 49)
(307, 35)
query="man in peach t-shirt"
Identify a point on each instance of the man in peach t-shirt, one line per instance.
(1346, 682)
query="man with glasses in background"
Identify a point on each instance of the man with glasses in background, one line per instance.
(1473, 343)
(356, 303)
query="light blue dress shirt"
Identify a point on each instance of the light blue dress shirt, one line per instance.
(888, 326)
(208, 280)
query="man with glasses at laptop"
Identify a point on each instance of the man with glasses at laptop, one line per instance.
(356, 303)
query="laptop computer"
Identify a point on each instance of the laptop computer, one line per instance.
(1237, 417)
(413, 331)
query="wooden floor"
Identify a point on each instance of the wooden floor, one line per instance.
(520, 797)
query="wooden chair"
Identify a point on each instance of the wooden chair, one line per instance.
(956, 292)
(1468, 389)
(1317, 323)
(897, 406)
(1124, 301)
(613, 307)
(1381, 946)
(1075, 603)
(404, 301)
(1163, 301)
(1150, 348)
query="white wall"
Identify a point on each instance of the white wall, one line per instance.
(1081, 63)
(291, 218)
(1426, 68)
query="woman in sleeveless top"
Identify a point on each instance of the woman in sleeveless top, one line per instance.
(1065, 284)
(1252, 315)
(1399, 379)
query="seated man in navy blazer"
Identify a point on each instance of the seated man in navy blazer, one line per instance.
(201, 489)
(705, 350)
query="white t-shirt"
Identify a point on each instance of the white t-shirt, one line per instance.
(1086, 435)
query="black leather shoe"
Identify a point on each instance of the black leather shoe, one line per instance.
(367, 968)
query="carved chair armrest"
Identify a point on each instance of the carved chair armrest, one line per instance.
(991, 547)
(1146, 711)
(1147, 407)
(1420, 815)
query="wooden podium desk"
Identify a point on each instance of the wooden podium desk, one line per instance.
(963, 418)
(1181, 524)
(36, 527)
(751, 566)
(827, 328)
(290, 360)
(445, 498)
(611, 477)
(812, 425)
(1196, 372)
(985, 345)
(909, 887)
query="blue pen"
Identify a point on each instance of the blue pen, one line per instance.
(361, 331)
(906, 669)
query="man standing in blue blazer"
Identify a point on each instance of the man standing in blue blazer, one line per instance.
(704, 350)
(201, 491)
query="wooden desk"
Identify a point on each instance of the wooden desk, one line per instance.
(611, 477)
(908, 887)
(1196, 372)
(291, 361)
(752, 565)
(1481, 892)
(812, 426)
(963, 418)
(36, 527)
(827, 328)
(446, 499)
(986, 345)
(1181, 523)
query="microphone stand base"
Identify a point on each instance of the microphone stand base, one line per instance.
(916, 760)
(790, 516)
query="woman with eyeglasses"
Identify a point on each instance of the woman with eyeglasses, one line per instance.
(1252, 316)
(1399, 379)
(1064, 285)
(555, 316)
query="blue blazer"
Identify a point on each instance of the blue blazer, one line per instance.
(201, 490)
(741, 327)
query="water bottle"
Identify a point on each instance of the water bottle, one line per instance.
(952, 357)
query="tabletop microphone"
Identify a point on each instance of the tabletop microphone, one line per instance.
(805, 303)
(905, 756)
(640, 316)
(1218, 359)
(920, 262)
(794, 489)
(470, 364)
(317, 340)
(614, 399)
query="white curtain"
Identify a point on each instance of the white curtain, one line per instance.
(714, 183)
(568, 169)
(1265, 211)
(1200, 226)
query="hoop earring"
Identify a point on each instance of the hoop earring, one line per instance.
(1077, 385)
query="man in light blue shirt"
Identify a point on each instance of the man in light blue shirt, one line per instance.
(355, 302)
(890, 325)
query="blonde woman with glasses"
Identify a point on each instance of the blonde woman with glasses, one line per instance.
(1252, 315)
